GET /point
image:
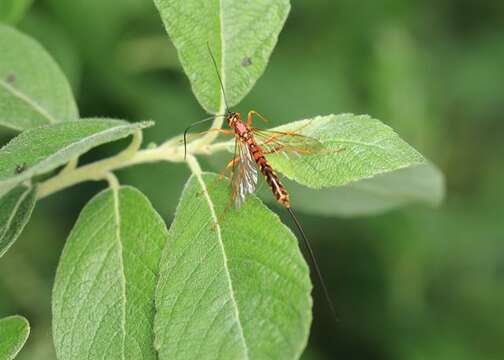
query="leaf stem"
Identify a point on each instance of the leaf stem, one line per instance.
(194, 165)
(95, 171)
(112, 180)
(70, 166)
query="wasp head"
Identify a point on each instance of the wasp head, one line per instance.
(233, 118)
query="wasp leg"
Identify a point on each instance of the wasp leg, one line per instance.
(251, 115)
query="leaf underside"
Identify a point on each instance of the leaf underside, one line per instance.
(423, 184)
(235, 289)
(103, 298)
(15, 211)
(14, 331)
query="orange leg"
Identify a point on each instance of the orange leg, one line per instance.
(290, 149)
(272, 138)
(279, 147)
(275, 136)
(230, 164)
(251, 115)
(222, 131)
(273, 150)
(229, 206)
(222, 174)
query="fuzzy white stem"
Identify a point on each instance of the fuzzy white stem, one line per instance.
(132, 155)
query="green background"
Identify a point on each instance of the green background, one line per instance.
(415, 283)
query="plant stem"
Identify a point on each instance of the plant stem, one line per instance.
(132, 155)
(71, 165)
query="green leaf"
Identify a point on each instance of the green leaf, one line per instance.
(43, 149)
(15, 211)
(103, 298)
(11, 11)
(422, 184)
(368, 167)
(14, 331)
(241, 34)
(237, 288)
(33, 90)
(356, 147)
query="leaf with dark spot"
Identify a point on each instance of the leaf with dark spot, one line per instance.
(246, 61)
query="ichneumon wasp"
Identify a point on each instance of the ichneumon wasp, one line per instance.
(251, 147)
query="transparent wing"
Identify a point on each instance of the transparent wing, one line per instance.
(244, 180)
(287, 142)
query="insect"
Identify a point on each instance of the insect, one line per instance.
(20, 168)
(251, 147)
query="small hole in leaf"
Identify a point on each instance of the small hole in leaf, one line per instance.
(246, 61)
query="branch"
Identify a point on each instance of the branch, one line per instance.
(99, 170)
(132, 155)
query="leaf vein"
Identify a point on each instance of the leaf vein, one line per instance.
(25, 98)
(225, 261)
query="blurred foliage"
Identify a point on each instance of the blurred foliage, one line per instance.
(13, 10)
(415, 283)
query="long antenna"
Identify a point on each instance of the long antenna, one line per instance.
(219, 76)
(314, 262)
(213, 116)
(193, 125)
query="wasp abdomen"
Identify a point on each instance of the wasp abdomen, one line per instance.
(281, 194)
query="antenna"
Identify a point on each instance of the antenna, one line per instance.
(219, 76)
(314, 263)
(193, 125)
(214, 116)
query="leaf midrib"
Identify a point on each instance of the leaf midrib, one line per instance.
(117, 217)
(224, 255)
(29, 101)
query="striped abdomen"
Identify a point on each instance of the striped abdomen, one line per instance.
(281, 195)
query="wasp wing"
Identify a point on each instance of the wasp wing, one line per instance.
(245, 175)
(287, 142)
